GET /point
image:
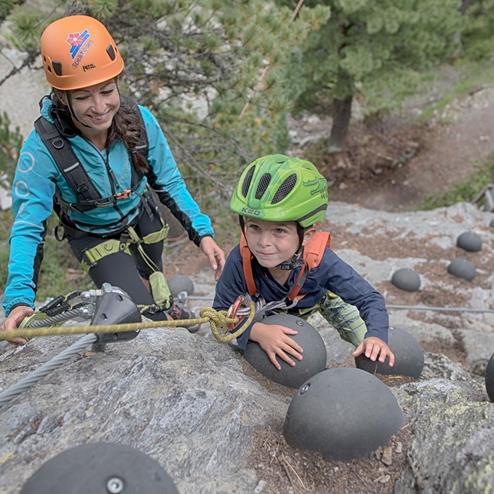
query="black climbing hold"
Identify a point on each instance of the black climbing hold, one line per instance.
(103, 468)
(342, 414)
(114, 306)
(406, 279)
(469, 241)
(409, 357)
(489, 379)
(308, 338)
(180, 283)
(462, 268)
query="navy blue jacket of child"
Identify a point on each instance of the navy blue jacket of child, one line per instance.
(332, 274)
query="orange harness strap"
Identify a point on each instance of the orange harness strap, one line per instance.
(313, 254)
(247, 264)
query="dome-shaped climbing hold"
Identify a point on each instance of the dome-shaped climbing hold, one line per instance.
(489, 379)
(462, 268)
(308, 338)
(105, 468)
(180, 283)
(406, 279)
(469, 241)
(342, 414)
(409, 357)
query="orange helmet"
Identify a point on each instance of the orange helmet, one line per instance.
(78, 51)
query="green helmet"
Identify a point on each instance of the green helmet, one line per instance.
(280, 188)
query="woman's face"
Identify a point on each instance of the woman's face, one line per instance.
(95, 106)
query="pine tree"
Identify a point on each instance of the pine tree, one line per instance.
(366, 45)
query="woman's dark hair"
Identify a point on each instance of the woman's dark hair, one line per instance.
(126, 125)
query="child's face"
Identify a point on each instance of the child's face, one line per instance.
(271, 243)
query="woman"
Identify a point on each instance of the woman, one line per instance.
(91, 157)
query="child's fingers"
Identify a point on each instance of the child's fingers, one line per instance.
(391, 356)
(289, 331)
(274, 361)
(293, 344)
(286, 358)
(359, 350)
(383, 353)
(294, 351)
(372, 351)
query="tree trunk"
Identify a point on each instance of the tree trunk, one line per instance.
(342, 112)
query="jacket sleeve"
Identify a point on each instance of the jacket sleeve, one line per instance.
(33, 189)
(355, 290)
(165, 178)
(230, 286)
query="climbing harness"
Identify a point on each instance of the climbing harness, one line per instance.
(87, 195)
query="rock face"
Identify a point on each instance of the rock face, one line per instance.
(194, 405)
(452, 449)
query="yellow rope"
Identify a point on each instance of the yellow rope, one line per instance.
(218, 322)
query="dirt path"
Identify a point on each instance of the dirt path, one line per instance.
(458, 139)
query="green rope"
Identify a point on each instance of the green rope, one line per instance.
(217, 320)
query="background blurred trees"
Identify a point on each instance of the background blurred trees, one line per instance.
(366, 44)
(222, 77)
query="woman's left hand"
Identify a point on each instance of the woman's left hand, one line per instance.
(215, 255)
(375, 348)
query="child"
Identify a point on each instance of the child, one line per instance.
(279, 200)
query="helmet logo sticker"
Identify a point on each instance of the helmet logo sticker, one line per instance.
(320, 186)
(253, 212)
(79, 45)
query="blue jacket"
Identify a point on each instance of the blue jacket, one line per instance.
(37, 176)
(332, 274)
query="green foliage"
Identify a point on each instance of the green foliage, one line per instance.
(6, 7)
(478, 35)
(10, 144)
(102, 9)
(465, 191)
(366, 45)
(26, 28)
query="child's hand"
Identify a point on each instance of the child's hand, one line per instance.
(274, 340)
(373, 348)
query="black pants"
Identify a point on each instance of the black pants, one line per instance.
(123, 270)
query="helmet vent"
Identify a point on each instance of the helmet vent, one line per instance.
(263, 185)
(111, 52)
(285, 188)
(247, 181)
(57, 67)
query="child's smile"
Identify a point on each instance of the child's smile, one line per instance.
(271, 243)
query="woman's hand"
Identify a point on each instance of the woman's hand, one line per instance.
(373, 348)
(14, 319)
(275, 341)
(215, 255)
